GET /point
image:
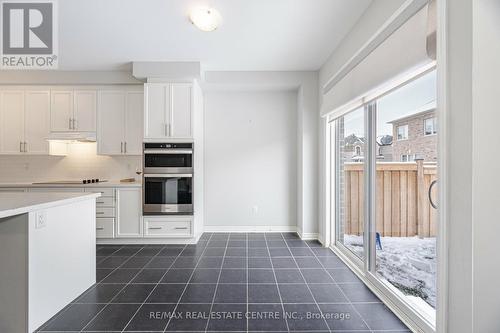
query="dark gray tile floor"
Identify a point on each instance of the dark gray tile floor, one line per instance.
(256, 282)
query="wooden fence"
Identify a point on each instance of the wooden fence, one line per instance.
(402, 204)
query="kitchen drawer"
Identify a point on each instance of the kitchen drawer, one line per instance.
(105, 228)
(105, 202)
(105, 192)
(168, 227)
(104, 211)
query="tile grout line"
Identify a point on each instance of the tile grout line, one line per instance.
(187, 283)
(217, 284)
(307, 284)
(154, 288)
(342, 291)
(60, 313)
(276, 282)
(111, 300)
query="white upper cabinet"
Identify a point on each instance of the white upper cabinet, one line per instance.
(119, 129)
(73, 110)
(37, 122)
(181, 111)
(134, 118)
(168, 111)
(84, 113)
(24, 122)
(157, 110)
(12, 122)
(61, 111)
(110, 128)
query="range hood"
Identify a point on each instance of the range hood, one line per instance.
(72, 136)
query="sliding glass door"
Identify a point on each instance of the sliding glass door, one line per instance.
(385, 167)
(350, 139)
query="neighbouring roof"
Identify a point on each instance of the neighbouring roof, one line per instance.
(426, 108)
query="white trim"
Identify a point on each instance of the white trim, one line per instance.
(250, 228)
(442, 112)
(329, 236)
(308, 235)
(388, 301)
(400, 16)
(133, 241)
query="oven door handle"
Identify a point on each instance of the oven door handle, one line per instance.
(168, 152)
(168, 175)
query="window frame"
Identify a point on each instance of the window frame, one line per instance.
(434, 126)
(406, 132)
(365, 269)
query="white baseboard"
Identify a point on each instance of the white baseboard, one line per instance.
(159, 241)
(307, 235)
(250, 228)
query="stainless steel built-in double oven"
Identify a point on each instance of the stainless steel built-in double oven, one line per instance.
(168, 179)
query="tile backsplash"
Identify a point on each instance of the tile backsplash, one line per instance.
(81, 162)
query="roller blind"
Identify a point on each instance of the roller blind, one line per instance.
(404, 51)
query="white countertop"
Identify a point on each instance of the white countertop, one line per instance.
(111, 183)
(13, 203)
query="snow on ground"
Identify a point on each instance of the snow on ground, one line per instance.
(408, 263)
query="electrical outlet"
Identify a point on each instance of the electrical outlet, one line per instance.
(40, 220)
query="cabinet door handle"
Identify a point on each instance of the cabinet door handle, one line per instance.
(180, 228)
(25, 147)
(74, 123)
(20, 146)
(99, 228)
(125, 147)
(155, 228)
(99, 213)
(121, 147)
(99, 202)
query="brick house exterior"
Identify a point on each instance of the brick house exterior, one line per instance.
(417, 143)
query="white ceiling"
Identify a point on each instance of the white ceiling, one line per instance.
(254, 34)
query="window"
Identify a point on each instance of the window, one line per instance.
(407, 158)
(430, 126)
(381, 195)
(402, 132)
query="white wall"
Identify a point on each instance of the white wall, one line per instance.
(305, 85)
(486, 182)
(458, 156)
(81, 162)
(372, 19)
(250, 158)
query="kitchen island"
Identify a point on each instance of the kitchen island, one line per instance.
(47, 255)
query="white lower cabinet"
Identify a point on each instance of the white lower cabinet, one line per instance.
(105, 227)
(168, 226)
(128, 213)
(119, 214)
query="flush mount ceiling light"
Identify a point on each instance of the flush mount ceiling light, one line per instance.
(205, 19)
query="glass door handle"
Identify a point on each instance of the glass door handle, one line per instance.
(430, 194)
